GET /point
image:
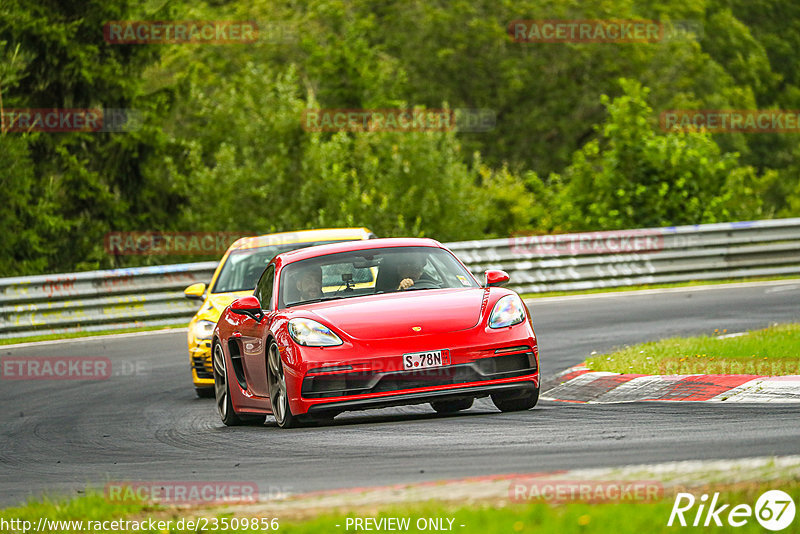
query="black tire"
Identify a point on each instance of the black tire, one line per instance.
(205, 392)
(451, 406)
(277, 389)
(516, 401)
(222, 394)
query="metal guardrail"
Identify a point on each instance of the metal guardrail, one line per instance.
(634, 257)
(99, 300)
(152, 296)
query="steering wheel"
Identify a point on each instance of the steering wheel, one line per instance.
(424, 284)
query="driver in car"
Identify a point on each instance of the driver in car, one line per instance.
(409, 270)
(309, 283)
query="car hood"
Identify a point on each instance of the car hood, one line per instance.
(396, 314)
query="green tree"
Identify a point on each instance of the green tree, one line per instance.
(268, 174)
(634, 176)
(91, 181)
(24, 216)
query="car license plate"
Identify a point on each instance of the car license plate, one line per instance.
(425, 360)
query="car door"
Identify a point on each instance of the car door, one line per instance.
(254, 334)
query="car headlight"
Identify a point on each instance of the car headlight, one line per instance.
(310, 333)
(203, 329)
(508, 311)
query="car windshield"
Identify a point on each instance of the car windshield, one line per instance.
(370, 272)
(243, 267)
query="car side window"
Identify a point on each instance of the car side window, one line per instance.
(263, 290)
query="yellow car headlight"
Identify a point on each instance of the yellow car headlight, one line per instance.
(203, 329)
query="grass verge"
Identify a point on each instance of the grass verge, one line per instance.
(617, 517)
(71, 335)
(567, 518)
(772, 351)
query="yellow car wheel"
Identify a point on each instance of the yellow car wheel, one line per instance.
(204, 392)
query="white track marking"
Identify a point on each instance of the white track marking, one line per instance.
(765, 389)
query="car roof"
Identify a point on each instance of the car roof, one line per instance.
(333, 248)
(303, 236)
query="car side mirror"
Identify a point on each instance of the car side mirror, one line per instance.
(248, 306)
(496, 278)
(195, 291)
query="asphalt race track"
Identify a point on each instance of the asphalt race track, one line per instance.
(145, 423)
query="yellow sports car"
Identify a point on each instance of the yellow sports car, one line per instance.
(236, 276)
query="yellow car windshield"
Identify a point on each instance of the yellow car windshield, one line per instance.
(243, 267)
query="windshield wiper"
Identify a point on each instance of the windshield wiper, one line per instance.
(320, 299)
(414, 288)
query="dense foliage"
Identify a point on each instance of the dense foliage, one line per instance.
(220, 147)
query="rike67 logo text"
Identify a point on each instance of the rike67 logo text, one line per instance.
(774, 510)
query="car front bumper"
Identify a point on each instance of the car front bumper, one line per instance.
(200, 363)
(422, 397)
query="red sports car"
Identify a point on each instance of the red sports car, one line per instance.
(371, 324)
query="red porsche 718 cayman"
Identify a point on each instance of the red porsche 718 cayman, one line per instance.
(371, 324)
